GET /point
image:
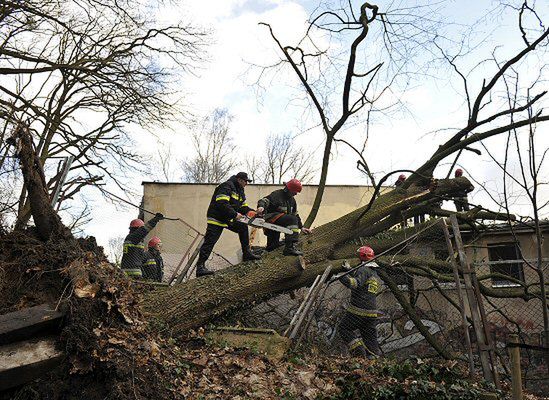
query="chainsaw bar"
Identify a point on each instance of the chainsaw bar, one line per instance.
(261, 223)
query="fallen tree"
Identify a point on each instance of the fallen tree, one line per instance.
(198, 301)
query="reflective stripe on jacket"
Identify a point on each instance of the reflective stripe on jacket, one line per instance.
(280, 201)
(153, 265)
(133, 249)
(227, 199)
(365, 285)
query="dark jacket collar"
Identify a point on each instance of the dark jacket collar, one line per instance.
(234, 180)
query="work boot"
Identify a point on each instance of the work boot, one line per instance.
(249, 256)
(274, 245)
(291, 250)
(201, 270)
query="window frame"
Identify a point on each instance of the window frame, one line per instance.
(517, 257)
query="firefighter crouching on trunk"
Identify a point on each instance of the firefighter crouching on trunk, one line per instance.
(153, 266)
(227, 205)
(280, 208)
(358, 326)
(133, 253)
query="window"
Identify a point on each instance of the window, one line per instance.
(501, 256)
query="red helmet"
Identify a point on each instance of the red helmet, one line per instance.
(402, 177)
(366, 253)
(294, 186)
(137, 223)
(154, 241)
(458, 173)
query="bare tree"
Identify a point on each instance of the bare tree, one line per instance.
(166, 162)
(369, 69)
(79, 73)
(282, 160)
(115, 249)
(214, 159)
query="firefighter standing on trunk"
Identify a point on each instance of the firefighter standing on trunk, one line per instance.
(227, 205)
(460, 200)
(153, 266)
(280, 208)
(358, 326)
(133, 253)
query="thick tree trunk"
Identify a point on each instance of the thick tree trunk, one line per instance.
(45, 218)
(197, 301)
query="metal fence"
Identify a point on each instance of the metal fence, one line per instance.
(422, 310)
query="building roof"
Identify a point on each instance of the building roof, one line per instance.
(251, 184)
(516, 227)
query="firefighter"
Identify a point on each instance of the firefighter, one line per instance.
(400, 180)
(133, 249)
(228, 204)
(280, 208)
(153, 266)
(460, 200)
(358, 326)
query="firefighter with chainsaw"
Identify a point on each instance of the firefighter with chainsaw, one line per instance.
(153, 266)
(227, 206)
(460, 200)
(280, 208)
(133, 251)
(358, 326)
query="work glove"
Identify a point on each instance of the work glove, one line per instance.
(337, 277)
(260, 211)
(251, 214)
(346, 266)
(306, 231)
(159, 216)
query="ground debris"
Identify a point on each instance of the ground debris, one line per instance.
(114, 353)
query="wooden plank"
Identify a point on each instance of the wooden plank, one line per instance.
(176, 271)
(310, 302)
(464, 324)
(473, 303)
(516, 375)
(21, 362)
(24, 324)
(301, 306)
(189, 264)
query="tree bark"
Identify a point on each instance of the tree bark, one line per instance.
(197, 301)
(45, 218)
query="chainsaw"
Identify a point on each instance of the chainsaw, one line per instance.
(261, 223)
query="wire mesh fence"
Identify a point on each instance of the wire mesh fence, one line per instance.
(419, 308)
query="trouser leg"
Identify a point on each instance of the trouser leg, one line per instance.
(350, 334)
(273, 239)
(368, 331)
(290, 240)
(243, 235)
(461, 203)
(212, 235)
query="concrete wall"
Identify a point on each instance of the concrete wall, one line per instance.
(190, 202)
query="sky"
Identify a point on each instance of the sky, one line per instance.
(400, 140)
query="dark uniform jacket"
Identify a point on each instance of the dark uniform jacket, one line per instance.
(279, 201)
(133, 252)
(227, 200)
(364, 284)
(153, 266)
